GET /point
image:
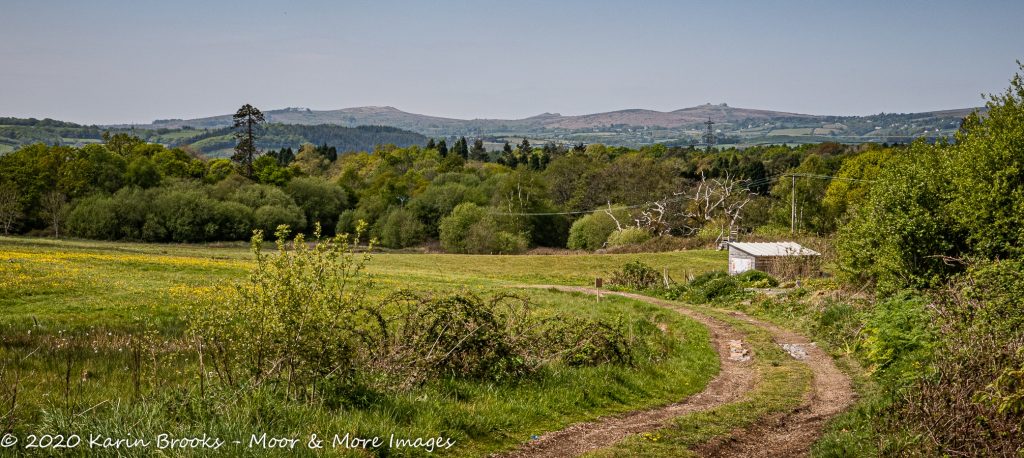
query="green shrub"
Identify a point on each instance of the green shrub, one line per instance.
(628, 236)
(835, 315)
(172, 214)
(142, 173)
(266, 170)
(269, 217)
(591, 232)
(320, 200)
(258, 195)
(234, 221)
(711, 286)
(893, 238)
(181, 214)
(438, 201)
(133, 206)
(472, 229)
(481, 236)
(485, 237)
(218, 169)
(455, 228)
(94, 217)
(399, 229)
(756, 279)
(704, 278)
(346, 222)
(719, 288)
(900, 338)
(509, 243)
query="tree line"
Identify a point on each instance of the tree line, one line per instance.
(465, 197)
(468, 198)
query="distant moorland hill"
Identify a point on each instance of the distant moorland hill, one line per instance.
(209, 141)
(634, 127)
(362, 128)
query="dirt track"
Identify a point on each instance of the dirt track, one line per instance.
(793, 433)
(785, 435)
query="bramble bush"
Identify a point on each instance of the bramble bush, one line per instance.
(756, 279)
(497, 339)
(296, 321)
(712, 286)
(703, 288)
(304, 323)
(636, 275)
(971, 398)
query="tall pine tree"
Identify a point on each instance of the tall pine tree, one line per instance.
(442, 147)
(461, 148)
(477, 152)
(524, 148)
(246, 122)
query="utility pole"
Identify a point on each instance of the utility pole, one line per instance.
(792, 206)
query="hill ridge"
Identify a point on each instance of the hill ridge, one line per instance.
(640, 117)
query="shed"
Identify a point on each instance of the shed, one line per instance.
(781, 259)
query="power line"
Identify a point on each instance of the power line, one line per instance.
(827, 177)
(583, 212)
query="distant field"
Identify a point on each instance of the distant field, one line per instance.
(798, 131)
(180, 134)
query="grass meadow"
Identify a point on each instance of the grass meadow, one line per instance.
(92, 342)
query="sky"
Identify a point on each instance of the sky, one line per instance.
(104, 62)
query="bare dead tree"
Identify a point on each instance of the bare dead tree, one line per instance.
(654, 217)
(707, 202)
(710, 201)
(608, 211)
(10, 207)
(54, 206)
(718, 199)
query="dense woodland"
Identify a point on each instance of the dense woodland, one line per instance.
(129, 189)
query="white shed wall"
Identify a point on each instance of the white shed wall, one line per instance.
(740, 262)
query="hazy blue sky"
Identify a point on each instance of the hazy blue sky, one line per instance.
(134, 61)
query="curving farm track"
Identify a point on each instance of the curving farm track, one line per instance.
(789, 434)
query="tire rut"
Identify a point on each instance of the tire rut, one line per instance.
(735, 379)
(793, 433)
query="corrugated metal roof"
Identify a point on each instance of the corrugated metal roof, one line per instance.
(774, 249)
